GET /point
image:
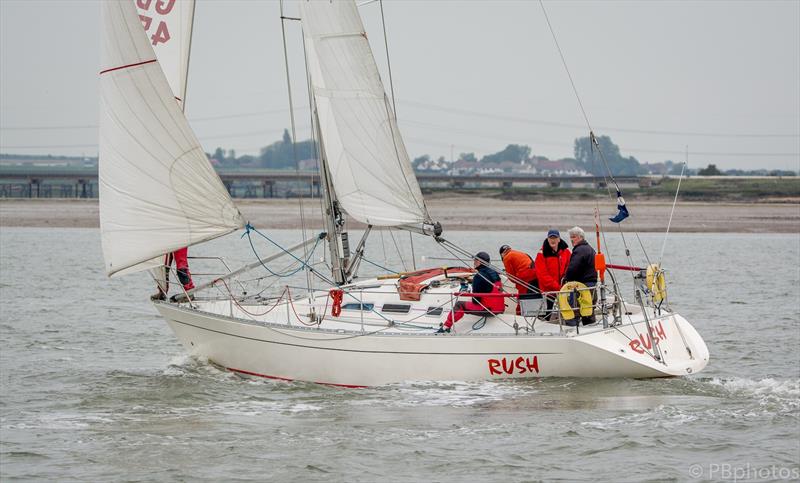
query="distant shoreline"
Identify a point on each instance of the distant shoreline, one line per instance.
(460, 212)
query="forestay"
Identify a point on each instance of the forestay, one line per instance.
(168, 24)
(368, 162)
(158, 191)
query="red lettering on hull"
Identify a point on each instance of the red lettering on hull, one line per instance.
(647, 341)
(518, 365)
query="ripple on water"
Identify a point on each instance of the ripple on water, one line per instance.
(724, 401)
(94, 385)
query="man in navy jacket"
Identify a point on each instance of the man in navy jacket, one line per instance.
(581, 264)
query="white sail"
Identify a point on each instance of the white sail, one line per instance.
(168, 24)
(158, 191)
(368, 162)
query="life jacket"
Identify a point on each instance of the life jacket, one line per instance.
(495, 305)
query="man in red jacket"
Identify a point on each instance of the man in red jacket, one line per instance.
(551, 264)
(520, 266)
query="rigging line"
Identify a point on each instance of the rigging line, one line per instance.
(477, 273)
(399, 255)
(512, 278)
(646, 256)
(249, 228)
(672, 212)
(593, 143)
(314, 140)
(375, 264)
(564, 61)
(388, 61)
(313, 134)
(592, 138)
(315, 147)
(413, 256)
(383, 246)
(614, 283)
(188, 58)
(294, 139)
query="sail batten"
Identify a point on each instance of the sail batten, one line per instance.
(158, 191)
(368, 162)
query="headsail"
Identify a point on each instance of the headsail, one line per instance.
(158, 191)
(168, 24)
(368, 162)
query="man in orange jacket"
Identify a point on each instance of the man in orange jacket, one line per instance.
(520, 266)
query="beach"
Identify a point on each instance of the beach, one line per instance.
(465, 213)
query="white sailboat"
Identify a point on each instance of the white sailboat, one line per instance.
(159, 193)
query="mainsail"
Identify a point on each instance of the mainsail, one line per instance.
(158, 191)
(368, 162)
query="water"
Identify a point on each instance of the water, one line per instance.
(95, 387)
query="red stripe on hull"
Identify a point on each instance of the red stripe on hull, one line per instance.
(241, 371)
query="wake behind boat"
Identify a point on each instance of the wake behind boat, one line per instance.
(159, 193)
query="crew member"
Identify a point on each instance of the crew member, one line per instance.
(551, 265)
(581, 266)
(485, 281)
(520, 266)
(180, 256)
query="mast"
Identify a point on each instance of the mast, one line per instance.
(338, 243)
(365, 170)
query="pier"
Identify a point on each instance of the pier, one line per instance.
(20, 181)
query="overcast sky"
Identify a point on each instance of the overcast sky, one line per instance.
(721, 77)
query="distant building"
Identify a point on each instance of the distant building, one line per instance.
(308, 165)
(562, 167)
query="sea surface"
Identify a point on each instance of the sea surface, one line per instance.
(95, 387)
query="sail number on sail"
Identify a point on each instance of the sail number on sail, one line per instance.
(161, 8)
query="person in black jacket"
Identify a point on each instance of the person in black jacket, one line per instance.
(485, 281)
(581, 265)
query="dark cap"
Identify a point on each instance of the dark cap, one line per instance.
(482, 256)
(504, 248)
(553, 232)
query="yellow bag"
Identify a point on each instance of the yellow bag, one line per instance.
(656, 283)
(584, 300)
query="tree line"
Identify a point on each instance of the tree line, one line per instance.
(284, 154)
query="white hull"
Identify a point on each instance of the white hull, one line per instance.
(338, 352)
